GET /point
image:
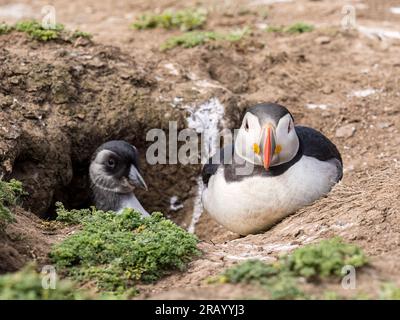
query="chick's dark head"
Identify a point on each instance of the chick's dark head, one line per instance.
(115, 167)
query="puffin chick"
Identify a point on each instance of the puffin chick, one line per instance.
(114, 174)
(275, 168)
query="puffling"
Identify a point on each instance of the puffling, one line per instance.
(275, 169)
(114, 174)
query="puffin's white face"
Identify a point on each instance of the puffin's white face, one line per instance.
(264, 142)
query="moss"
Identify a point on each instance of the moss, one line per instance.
(281, 278)
(299, 27)
(5, 28)
(35, 30)
(9, 194)
(184, 20)
(117, 251)
(195, 38)
(26, 284)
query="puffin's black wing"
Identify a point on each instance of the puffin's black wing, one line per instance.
(315, 144)
(212, 165)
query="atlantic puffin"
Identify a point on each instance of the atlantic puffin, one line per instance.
(114, 174)
(274, 168)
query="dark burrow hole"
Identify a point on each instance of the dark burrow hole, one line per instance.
(77, 194)
(165, 182)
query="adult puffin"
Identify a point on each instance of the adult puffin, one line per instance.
(276, 168)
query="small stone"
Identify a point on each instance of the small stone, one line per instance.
(384, 125)
(97, 63)
(346, 131)
(80, 116)
(322, 40)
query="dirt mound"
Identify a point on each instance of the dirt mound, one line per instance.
(27, 238)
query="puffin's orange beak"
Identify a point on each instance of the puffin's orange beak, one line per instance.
(268, 145)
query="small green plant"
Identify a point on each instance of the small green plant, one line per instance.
(81, 34)
(326, 258)
(184, 20)
(73, 216)
(249, 271)
(116, 251)
(323, 259)
(237, 35)
(26, 284)
(195, 38)
(299, 27)
(36, 31)
(389, 291)
(275, 29)
(190, 39)
(9, 194)
(280, 284)
(5, 28)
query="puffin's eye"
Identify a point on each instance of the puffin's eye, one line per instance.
(111, 163)
(289, 126)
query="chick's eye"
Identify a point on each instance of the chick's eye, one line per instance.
(111, 163)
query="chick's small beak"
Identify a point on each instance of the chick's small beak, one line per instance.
(267, 145)
(136, 179)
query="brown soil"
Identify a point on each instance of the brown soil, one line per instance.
(59, 101)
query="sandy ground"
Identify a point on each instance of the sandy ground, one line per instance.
(344, 83)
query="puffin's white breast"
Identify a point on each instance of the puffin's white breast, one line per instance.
(256, 203)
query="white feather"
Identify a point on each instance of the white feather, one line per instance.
(256, 203)
(130, 201)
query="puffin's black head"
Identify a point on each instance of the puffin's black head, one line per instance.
(114, 167)
(269, 111)
(267, 136)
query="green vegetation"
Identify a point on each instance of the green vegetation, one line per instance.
(389, 291)
(190, 39)
(81, 34)
(9, 194)
(195, 38)
(26, 284)
(323, 259)
(184, 20)
(299, 27)
(117, 251)
(5, 28)
(280, 284)
(275, 29)
(35, 30)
